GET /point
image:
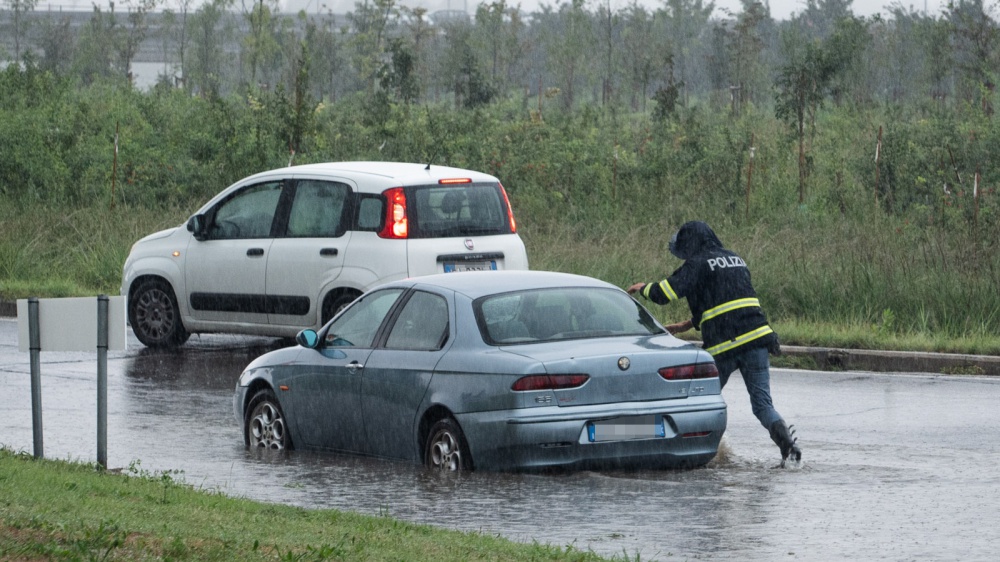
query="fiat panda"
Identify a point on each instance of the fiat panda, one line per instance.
(287, 249)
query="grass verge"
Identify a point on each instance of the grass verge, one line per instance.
(58, 510)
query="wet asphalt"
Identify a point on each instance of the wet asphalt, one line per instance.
(896, 466)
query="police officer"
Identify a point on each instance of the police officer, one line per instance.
(724, 306)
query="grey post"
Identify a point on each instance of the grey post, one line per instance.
(35, 347)
(102, 380)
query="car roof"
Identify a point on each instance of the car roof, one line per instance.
(383, 173)
(475, 284)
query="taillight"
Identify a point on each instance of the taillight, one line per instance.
(510, 212)
(395, 214)
(453, 181)
(548, 382)
(687, 372)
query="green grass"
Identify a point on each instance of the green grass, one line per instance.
(55, 510)
(822, 284)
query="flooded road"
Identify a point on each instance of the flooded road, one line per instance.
(896, 467)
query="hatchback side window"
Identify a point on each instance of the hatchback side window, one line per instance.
(371, 213)
(317, 209)
(422, 324)
(248, 214)
(359, 324)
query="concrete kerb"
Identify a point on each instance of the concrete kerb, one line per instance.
(834, 359)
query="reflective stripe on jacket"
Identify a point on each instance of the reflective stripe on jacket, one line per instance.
(716, 283)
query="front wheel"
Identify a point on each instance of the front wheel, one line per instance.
(446, 448)
(155, 316)
(334, 305)
(264, 426)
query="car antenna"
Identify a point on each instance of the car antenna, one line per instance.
(428, 167)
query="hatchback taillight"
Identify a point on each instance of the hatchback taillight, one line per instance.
(510, 212)
(548, 382)
(687, 372)
(395, 225)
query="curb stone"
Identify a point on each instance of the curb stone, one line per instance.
(835, 359)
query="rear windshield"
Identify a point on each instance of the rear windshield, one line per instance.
(561, 314)
(438, 211)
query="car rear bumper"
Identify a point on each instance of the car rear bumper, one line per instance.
(559, 437)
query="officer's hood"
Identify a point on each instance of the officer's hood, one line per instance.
(693, 238)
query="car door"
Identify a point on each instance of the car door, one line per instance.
(225, 271)
(326, 394)
(310, 253)
(398, 373)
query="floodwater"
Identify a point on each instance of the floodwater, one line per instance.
(896, 467)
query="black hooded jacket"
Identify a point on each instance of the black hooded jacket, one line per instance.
(716, 284)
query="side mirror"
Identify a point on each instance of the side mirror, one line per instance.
(307, 339)
(196, 225)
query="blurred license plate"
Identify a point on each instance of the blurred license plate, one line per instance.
(471, 266)
(621, 429)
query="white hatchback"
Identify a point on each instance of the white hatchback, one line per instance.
(287, 249)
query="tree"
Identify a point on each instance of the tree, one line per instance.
(20, 8)
(371, 21)
(204, 73)
(398, 78)
(801, 83)
(975, 35)
(130, 38)
(325, 55)
(471, 88)
(641, 56)
(95, 50)
(747, 46)
(260, 43)
(420, 33)
(846, 55)
(184, 7)
(497, 38)
(58, 44)
(685, 23)
(820, 17)
(568, 46)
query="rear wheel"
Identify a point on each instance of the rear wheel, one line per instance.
(446, 448)
(264, 425)
(155, 316)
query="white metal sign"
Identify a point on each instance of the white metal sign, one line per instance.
(71, 324)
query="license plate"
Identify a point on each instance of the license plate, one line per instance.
(623, 429)
(471, 266)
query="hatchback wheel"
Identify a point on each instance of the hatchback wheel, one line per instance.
(154, 315)
(446, 448)
(265, 424)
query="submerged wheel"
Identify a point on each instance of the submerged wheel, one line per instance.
(155, 316)
(264, 426)
(446, 447)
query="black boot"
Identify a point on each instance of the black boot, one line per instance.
(785, 439)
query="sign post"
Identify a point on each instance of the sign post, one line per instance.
(36, 377)
(55, 325)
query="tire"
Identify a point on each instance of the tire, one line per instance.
(446, 449)
(155, 316)
(264, 425)
(334, 305)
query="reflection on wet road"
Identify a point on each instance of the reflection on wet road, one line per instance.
(897, 467)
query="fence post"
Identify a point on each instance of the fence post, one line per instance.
(35, 348)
